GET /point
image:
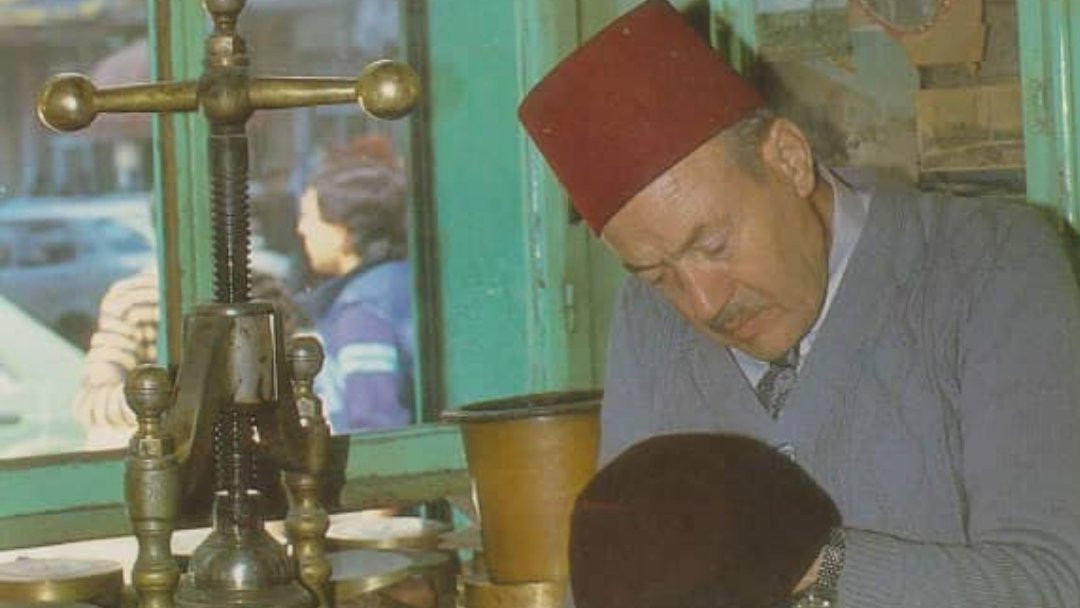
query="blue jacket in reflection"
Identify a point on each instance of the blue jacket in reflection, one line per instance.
(365, 321)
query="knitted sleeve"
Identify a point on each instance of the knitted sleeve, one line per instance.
(126, 336)
(371, 368)
(628, 384)
(1018, 373)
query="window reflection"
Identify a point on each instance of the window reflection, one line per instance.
(352, 224)
(74, 213)
(78, 280)
(331, 192)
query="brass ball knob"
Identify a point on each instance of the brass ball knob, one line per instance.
(387, 89)
(66, 102)
(147, 390)
(305, 357)
(224, 7)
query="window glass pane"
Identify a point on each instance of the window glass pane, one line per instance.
(75, 212)
(330, 197)
(78, 283)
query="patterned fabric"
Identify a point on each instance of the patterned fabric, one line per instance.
(126, 337)
(822, 594)
(774, 386)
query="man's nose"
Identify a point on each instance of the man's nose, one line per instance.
(705, 291)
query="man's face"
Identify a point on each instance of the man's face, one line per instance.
(742, 256)
(325, 243)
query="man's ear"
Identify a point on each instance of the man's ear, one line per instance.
(786, 151)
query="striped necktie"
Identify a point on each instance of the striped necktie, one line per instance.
(774, 386)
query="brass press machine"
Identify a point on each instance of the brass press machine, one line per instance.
(238, 397)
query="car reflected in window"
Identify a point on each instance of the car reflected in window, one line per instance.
(62, 254)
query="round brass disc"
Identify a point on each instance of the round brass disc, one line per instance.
(45, 605)
(357, 573)
(361, 531)
(61, 580)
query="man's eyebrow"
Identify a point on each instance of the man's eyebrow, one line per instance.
(690, 241)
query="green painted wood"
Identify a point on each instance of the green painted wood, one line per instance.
(80, 523)
(1038, 114)
(477, 186)
(510, 307)
(559, 321)
(80, 496)
(594, 269)
(428, 372)
(1050, 74)
(406, 451)
(422, 463)
(194, 238)
(54, 483)
(163, 240)
(595, 14)
(733, 29)
(591, 272)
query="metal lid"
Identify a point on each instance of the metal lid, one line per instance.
(60, 580)
(359, 571)
(361, 530)
(45, 605)
(528, 406)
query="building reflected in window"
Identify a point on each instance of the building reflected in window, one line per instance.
(78, 283)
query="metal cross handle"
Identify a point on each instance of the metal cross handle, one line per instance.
(227, 96)
(234, 383)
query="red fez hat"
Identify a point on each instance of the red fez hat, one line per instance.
(631, 102)
(696, 520)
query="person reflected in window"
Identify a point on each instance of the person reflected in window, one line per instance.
(352, 223)
(125, 337)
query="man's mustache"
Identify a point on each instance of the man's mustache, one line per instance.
(739, 307)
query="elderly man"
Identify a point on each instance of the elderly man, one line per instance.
(917, 355)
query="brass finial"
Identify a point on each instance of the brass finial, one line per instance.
(306, 358)
(147, 392)
(69, 102)
(152, 484)
(387, 89)
(307, 522)
(224, 13)
(66, 102)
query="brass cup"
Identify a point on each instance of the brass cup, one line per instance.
(482, 593)
(529, 457)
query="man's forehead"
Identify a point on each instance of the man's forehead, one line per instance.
(700, 175)
(655, 224)
(667, 186)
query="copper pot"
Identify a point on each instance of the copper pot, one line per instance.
(529, 457)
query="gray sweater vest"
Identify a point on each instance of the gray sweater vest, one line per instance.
(938, 406)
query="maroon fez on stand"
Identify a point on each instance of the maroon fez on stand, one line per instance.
(696, 521)
(627, 105)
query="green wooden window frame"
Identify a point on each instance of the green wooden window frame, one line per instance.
(514, 277)
(1050, 77)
